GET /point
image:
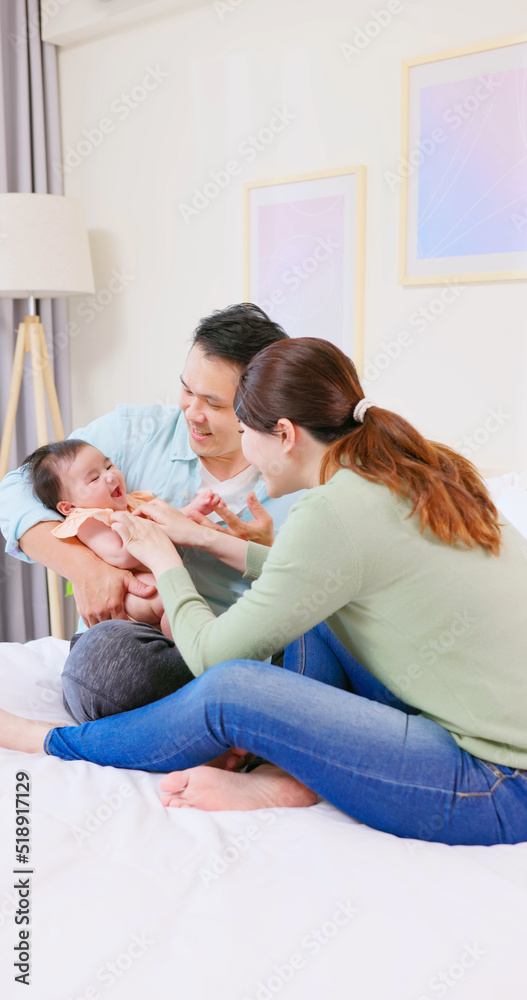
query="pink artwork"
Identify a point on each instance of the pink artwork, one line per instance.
(463, 166)
(305, 254)
(473, 190)
(301, 274)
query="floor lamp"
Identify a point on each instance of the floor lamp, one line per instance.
(44, 253)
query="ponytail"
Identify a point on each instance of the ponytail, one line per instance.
(314, 385)
(446, 491)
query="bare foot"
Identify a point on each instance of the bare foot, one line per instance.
(232, 760)
(211, 789)
(27, 735)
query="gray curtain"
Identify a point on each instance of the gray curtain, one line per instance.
(29, 144)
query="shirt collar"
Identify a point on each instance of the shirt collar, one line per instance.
(181, 450)
(260, 490)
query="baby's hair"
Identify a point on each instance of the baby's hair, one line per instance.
(43, 468)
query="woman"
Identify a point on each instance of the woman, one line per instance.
(397, 547)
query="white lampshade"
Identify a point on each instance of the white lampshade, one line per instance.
(44, 249)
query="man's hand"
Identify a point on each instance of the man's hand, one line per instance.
(260, 529)
(99, 594)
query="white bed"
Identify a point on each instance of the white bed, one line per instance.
(132, 900)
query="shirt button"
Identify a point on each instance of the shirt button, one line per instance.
(186, 496)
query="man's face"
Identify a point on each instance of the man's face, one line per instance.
(207, 393)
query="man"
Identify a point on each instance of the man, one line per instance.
(174, 452)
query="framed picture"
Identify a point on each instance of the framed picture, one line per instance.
(304, 254)
(463, 168)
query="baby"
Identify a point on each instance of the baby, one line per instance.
(75, 479)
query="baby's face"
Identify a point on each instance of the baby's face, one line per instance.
(92, 481)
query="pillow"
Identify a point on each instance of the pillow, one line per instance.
(509, 493)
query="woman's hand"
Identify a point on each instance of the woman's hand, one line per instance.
(199, 533)
(146, 540)
(260, 529)
(181, 529)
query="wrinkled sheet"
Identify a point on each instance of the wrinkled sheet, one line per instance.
(132, 900)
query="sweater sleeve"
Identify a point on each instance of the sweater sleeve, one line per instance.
(310, 572)
(255, 559)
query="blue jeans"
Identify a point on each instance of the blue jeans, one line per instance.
(320, 655)
(397, 772)
(119, 665)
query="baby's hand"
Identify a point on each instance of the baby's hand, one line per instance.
(204, 504)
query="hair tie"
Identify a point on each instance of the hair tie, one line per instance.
(360, 409)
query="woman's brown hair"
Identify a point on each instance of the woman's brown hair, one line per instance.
(314, 385)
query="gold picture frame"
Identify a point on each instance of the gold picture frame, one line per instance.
(476, 123)
(304, 254)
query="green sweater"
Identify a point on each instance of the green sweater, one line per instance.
(443, 627)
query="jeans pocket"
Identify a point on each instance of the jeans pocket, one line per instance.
(497, 774)
(493, 768)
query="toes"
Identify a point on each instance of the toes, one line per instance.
(234, 762)
(174, 802)
(169, 797)
(176, 781)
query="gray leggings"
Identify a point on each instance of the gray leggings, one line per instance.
(119, 665)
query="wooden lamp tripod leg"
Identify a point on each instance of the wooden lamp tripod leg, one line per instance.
(12, 399)
(42, 371)
(31, 337)
(49, 383)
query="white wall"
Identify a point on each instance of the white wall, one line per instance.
(225, 75)
(68, 22)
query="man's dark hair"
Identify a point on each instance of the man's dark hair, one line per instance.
(237, 334)
(43, 466)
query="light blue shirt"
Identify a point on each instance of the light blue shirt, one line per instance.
(150, 445)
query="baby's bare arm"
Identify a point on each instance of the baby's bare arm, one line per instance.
(106, 544)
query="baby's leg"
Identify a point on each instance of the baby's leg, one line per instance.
(165, 627)
(139, 609)
(157, 606)
(149, 610)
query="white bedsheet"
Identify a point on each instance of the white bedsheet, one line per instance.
(132, 900)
